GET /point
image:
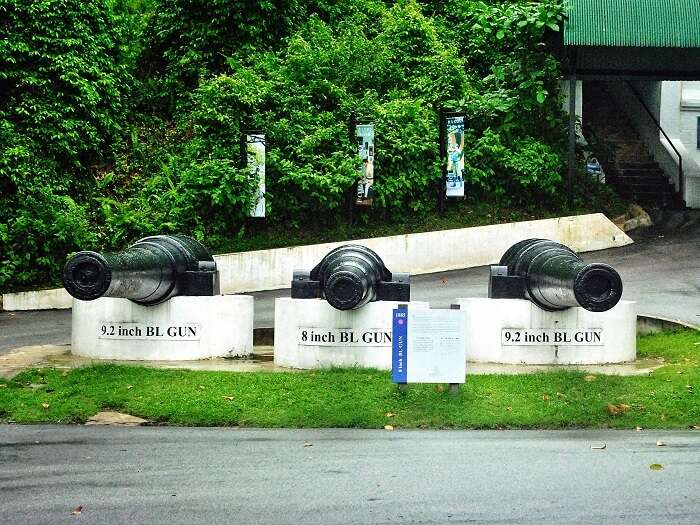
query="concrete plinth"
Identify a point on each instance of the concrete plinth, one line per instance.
(182, 328)
(309, 333)
(540, 337)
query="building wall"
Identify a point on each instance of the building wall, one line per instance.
(676, 106)
(680, 110)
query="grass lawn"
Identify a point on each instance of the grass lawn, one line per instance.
(666, 398)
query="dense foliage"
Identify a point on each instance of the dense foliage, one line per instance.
(120, 118)
(62, 87)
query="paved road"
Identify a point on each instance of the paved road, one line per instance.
(186, 475)
(34, 328)
(661, 271)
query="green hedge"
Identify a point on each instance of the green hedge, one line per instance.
(62, 92)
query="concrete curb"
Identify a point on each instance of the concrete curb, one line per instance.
(416, 253)
(647, 324)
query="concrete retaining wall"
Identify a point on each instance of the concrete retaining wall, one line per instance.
(416, 253)
(56, 299)
(421, 253)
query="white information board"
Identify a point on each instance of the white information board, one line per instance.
(428, 346)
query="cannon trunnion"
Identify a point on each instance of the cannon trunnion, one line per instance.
(553, 277)
(349, 277)
(149, 272)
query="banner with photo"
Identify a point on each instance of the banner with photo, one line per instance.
(255, 159)
(454, 147)
(365, 146)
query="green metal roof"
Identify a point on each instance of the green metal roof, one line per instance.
(633, 23)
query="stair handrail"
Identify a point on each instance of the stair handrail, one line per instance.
(681, 182)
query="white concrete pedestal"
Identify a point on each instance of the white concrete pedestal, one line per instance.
(309, 333)
(182, 328)
(486, 319)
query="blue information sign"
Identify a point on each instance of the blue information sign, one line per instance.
(399, 344)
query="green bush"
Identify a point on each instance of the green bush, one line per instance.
(61, 90)
(186, 40)
(39, 233)
(526, 170)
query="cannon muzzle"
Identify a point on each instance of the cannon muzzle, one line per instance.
(349, 277)
(149, 272)
(553, 277)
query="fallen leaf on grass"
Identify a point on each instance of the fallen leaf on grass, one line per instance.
(45, 405)
(599, 447)
(202, 387)
(656, 466)
(388, 427)
(77, 510)
(64, 373)
(694, 427)
(3, 386)
(663, 417)
(440, 388)
(616, 410)
(561, 396)
(129, 387)
(545, 397)
(390, 414)
(660, 443)
(228, 398)
(509, 409)
(639, 429)
(589, 378)
(308, 444)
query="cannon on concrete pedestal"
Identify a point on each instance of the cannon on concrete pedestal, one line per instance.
(553, 277)
(149, 272)
(349, 277)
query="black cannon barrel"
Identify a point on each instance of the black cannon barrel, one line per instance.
(552, 276)
(149, 272)
(349, 277)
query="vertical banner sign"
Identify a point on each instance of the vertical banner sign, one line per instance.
(428, 346)
(454, 149)
(398, 341)
(365, 146)
(255, 158)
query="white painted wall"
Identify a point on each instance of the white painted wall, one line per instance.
(317, 315)
(55, 299)
(680, 109)
(485, 319)
(416, 253)
(224, 327)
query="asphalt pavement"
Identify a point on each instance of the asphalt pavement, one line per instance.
(661, 271)
(338, 476)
